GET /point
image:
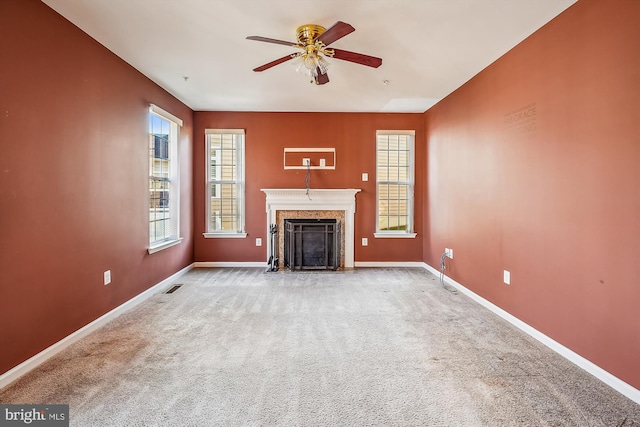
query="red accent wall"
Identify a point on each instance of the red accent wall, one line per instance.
(534, 167)
(74, 180)
(353, 135)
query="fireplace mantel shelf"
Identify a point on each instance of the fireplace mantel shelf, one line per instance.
(317, 199)
(300, 194)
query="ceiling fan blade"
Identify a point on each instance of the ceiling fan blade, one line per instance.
(268, 40)
(358, 58)
(322, 78)
(276, 62)
(337, 31)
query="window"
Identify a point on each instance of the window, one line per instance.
(225, 183)
(394, 182)
(164, 188)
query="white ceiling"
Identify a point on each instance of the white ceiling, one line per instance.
(429, 47)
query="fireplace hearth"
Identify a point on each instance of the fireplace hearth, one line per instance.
(312, 244)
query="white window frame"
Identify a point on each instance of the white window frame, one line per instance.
(173, 238)
(409, 232)
(239, 183)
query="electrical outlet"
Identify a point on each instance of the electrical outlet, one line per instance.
(323, 163)
(107, 277)
(507, 277)
(365, 241)
(449, 253)
(365, 176)
(306, 161)
(258, 241)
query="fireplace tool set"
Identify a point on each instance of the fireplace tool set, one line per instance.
(273, 258)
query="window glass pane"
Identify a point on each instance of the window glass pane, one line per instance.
(403, 143)
(402, 207)
(163, 185)
(216, 203)
(395, 181)
(383, 191)
(403, 174)
(403, 192)
(225, 182)
(393, 142)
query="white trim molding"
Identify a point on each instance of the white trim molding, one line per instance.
(164, 245)
(611, 380)
(385, 235)
(153, 108)
(33, 362)
(389, 264)
(326, 199)
(224, 235)
(220, 264)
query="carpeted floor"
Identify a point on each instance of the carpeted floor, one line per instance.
(374, 347)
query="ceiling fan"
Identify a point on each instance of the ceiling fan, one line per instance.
(313, 41)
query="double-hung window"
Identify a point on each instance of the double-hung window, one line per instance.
(225, 183)
(164, 186)
(394, 183)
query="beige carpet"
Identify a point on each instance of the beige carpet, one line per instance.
(376, 347)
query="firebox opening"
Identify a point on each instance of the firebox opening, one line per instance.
(312, 244)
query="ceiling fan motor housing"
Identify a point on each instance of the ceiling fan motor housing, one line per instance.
(308, 33)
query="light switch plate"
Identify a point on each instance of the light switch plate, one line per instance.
(107, 277)
(507, 277)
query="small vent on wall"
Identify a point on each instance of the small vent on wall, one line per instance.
(173, 289)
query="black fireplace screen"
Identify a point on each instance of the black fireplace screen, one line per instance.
(312, 244)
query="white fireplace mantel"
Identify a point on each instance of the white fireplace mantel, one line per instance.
(297, 199)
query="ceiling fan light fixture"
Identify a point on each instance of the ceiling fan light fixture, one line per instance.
(323, 65)
(310, 63)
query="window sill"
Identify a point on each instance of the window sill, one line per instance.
(395, 235)
(163, 245)
(224, 235)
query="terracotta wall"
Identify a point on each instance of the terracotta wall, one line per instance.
(534, 167)
(353, 135)
(73, 181)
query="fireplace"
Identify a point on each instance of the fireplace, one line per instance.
(312, 244)
(339, 204)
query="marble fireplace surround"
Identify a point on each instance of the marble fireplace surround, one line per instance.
(324, 199)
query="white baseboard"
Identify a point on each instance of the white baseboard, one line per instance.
(209, 264)
(31, 363)
(604, 376)
(389, 264)
(205, 264)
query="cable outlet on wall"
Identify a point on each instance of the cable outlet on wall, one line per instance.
(107, 277)
(449, 253)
